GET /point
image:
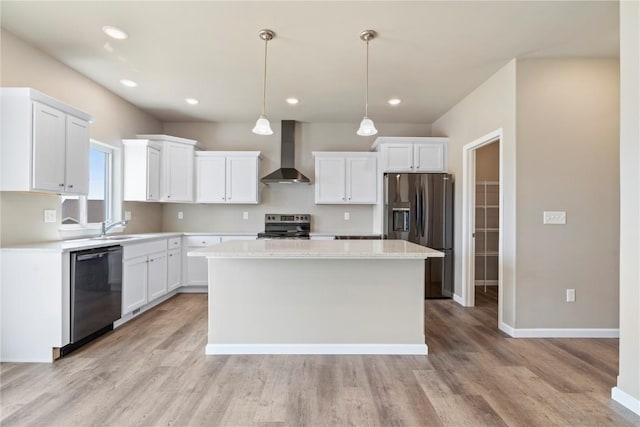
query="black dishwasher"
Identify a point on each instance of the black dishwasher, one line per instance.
(96, 293)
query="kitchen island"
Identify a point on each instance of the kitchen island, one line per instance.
(316, 297)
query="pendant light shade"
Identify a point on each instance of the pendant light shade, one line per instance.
(263, 127)
(367, 127)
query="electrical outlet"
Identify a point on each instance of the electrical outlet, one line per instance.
(50, 215)
(347, 217)
(245, 215)
(127, 215)
(180, 215)
(571, 295)
(554, 217)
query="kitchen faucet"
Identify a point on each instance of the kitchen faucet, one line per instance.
(106, 227)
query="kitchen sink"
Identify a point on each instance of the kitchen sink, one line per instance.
(115, 237)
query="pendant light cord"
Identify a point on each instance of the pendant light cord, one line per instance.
(366, 79)
(264, 76)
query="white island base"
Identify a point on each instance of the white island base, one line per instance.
(316, 297)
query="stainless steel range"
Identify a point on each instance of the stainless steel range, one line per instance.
(286, 226)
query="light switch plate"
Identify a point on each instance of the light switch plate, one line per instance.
(50, 215)
(245, 215)
(554, 217)
(180, 215)
(127, 215)
(347, 217)
(571, 295)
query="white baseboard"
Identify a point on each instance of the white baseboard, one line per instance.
(559, 332)
(626, 400)
(193, 289)
(407, 349)
(458, 299)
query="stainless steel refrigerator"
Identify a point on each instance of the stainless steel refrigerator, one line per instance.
(419, 208)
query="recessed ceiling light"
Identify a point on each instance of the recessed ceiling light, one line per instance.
(114, 32)
(128, 83)
(394, 101)
(192, 101)
(292, 101)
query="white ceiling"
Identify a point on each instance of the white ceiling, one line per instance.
(429, 54)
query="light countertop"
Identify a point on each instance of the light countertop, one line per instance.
(88, 243)
(328, 249)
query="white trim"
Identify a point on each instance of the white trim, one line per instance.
(458, 299)
(506, 329)
(482, 283)
(560, 332)
(193, 289)
(468, 219)
(407, 349)
(626, 400)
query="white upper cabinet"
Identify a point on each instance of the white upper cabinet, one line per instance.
(158, 168)
(142, 164)
(345, 177)
(177, 180)
(412, 154)
(227, 177)
(44, 144)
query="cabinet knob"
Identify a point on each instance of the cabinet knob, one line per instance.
(70, 185)
(343, 198)
(168, 197)
(60, 185)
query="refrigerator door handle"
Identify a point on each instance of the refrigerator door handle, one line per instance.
(417, 212)
(425, 219)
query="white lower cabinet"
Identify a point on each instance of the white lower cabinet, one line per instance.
(196, 269)
(134, 284)
(174, 269)
(144, 275)
(157, 278)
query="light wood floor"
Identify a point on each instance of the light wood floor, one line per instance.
(153, 371)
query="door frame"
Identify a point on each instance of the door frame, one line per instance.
(468, 218)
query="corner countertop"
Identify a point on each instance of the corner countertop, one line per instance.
(88, 243)
(318, 249)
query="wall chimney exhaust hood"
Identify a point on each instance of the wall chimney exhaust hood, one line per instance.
(287, 174)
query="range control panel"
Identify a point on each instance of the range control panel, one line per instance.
(287, 218)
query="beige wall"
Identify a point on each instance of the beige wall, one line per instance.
(629, 377)
(488, 162)
(489, 107)
(567, 133)
(279, 198)
(25, 66)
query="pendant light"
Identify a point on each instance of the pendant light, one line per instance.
(263, 127)
(366, 125)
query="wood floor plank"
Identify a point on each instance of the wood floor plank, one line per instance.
(152, 371)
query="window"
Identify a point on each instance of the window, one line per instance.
(97, 206)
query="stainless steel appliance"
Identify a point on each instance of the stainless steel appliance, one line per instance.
(286, 226)
(96, 293)
(419, 208)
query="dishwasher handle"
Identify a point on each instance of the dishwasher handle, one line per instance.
(94, 253)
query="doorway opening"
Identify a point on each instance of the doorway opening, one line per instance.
(487, 226)
(482, 224)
